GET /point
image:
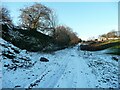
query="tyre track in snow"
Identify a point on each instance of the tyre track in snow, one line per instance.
(77, 74)
(51, 79)
(56, 74)
(50, 76)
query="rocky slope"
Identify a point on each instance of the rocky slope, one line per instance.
(28, 39)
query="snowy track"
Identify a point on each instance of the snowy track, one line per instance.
(72, 72)
(68, 68)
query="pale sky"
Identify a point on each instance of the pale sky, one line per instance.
(88, 19)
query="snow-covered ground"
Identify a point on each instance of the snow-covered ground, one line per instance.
(68, 68)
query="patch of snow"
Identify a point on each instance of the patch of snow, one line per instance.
(68, 68)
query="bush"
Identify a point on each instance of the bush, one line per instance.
(61, 36)
(64, 36)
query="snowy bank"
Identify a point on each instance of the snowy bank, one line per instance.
(68, 68)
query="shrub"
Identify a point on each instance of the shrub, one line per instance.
(64, 36)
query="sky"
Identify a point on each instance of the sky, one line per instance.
(87, 19)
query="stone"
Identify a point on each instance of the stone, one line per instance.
(42, 59)
(115, 58)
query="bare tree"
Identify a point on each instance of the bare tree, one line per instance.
(65, 35)
(112, 34)
(61, 35)
(5, 16)
(37, 17)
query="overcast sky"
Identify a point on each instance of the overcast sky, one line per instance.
(86, 18)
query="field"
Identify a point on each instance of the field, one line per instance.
(113, 46)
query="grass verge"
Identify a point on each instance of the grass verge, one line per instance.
(112, 45)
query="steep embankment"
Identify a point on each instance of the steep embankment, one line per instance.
(68, 68)
(28, 39)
